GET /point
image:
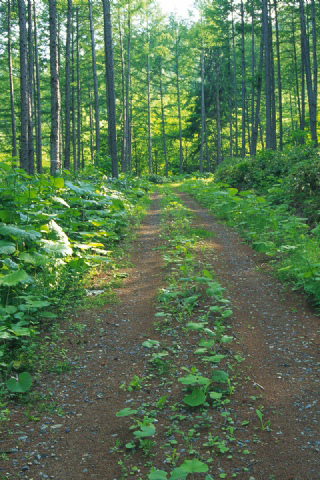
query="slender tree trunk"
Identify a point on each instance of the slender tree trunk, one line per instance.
(179, 104)
(73, 101)
(68, 88)
(78, 94)
(128, 151)
(235, 101)
(95, 86)
(307, 64)
(279, 77)
(296, 77)
(38, 97)
(91, 125)
(265, 23)
(203, 114)
(61, 131)
(30, 86)
(149, 115)
(13, 118)
(123, 94)
(55, 91)
(243, 68)
(252, 68)
(254, 136)
(24, 90)
(303, 101)
(219, 156)
(163, 123)
(273, 94)
(111, 97)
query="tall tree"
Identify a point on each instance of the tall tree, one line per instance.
(30, 86)
(243, 69)
(177, 40)
(13, 117)
(95, 85)
(111, 97)
(38, 97)
(68, 88)
(279, 75)
(24, 88)
(307, 65)
(55, 90)
(265, 23)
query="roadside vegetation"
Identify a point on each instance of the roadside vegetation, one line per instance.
(55, 234)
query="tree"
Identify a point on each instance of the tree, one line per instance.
(24, 87)
(68, 88)
(13, 118)
(55, 90)
(111, 98)
(95, 85)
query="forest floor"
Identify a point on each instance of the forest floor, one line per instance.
(277, 372)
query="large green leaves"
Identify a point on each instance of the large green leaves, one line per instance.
(20, 385)
(6, 248)
(12, 279)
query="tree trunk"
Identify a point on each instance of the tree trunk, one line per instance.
(252, 68)
(30, 86)
(78, 94)
(311, 91)
(38, 97)
(24, 90)
(265, 23)
(123, 94)
(73, 103)
(273, 93)
(279, 77)
(13, 118)
(91, 125)
(55, 91)
(203, 114)
(111, 97)
(149, 116)
(296, 77)
(254, 136)
(179, 103)
(68, 88)
(219, 156)
(95, 86)
(235, 102)
(163, 124)
(243, 68)
(128, 152)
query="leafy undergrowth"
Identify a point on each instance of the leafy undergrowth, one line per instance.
(293, 249)
(55, 234)
(192, 426)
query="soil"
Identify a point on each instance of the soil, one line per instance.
(275, 331)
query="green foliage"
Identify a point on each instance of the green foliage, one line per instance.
(53, 230)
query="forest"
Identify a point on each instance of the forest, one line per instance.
(124, 87)
(159, 239)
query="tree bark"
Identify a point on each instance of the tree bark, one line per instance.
(95, 85)
(307, 64)
(252, 68)
(24, 90)
(279, 77)
(243, 68)
(265, 23)
(78, 94)
(38, 98)
(13, 118)
(254, 136)
(30, 86)
(73, 102)
(203, 113)
(68, 88)
(235, 102)
(163, 123)
(128, 152)
(149, 116)
(55, 165)
(179, 104)
(111, 97)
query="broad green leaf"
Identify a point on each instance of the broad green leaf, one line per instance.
(192, 379)
(262, 247)
(220, 376)
(19, 276)
(61, 201)
(194, 466)
(6, 248)
(196, 326)
(145, 431)
(226, 339)
(178, 474)
(150, 343)
(158, 475)
(215, 395)
(125, 412)
(22, 385)
(195, 398)
(214, 358)
(19, 233)
(56, 248)
(57, 182)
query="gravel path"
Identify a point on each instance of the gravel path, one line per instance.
(275, 329)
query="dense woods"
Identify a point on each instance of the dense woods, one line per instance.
(124, 86)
